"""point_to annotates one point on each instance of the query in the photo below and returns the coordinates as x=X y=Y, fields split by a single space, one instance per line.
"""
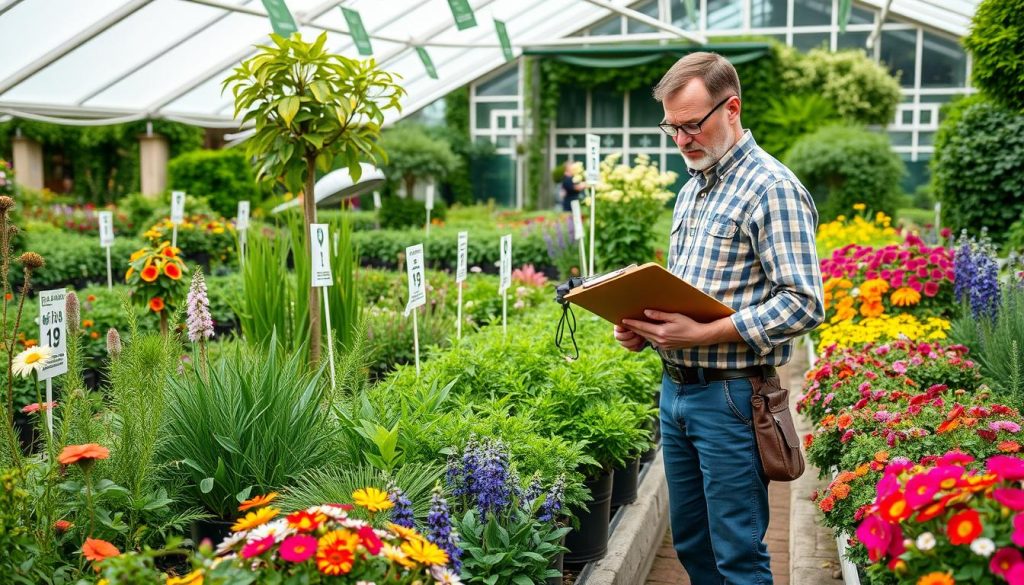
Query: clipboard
x=625 y=293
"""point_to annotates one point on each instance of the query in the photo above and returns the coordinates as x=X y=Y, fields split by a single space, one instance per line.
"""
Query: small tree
x=413 y=154
x=312 y=110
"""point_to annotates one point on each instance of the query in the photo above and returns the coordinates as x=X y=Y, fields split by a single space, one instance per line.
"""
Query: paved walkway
x=802 y=551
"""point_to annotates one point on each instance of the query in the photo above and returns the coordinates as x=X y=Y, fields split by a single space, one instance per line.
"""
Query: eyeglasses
x=690 y=129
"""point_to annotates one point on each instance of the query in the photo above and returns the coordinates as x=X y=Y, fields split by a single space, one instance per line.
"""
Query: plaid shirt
x=746 y=237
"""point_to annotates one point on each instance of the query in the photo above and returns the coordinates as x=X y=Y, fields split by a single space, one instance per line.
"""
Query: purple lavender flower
x=401 y=513
x=439 y=529
x=553 y=501
x=976 y=273
x=963 y=269
x=533 y=491
x=462 y=475
x=494 y=489
x=200 y=323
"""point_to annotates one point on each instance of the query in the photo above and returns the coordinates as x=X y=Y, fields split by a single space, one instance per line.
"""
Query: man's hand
x=629 y=339
x=677 y=331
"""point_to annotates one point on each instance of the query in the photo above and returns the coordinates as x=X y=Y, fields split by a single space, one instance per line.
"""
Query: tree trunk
x=410 y=186
x=309 y=216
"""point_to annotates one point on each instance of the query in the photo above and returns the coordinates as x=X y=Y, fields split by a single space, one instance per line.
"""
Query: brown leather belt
x=698 y=375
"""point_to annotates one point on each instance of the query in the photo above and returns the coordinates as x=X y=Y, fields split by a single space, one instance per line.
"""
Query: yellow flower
x=406 y=533
x=137 y=254
x=254 y=519
x=425 y=552
x=372 y=499
x=859 y=207
x=395 y=554
x=193 y=578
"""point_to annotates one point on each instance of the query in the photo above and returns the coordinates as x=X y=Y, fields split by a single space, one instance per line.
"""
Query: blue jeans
x=718 y=495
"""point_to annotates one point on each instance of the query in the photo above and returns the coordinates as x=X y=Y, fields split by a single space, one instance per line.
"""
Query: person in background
x=743 y=232
x=570 y=190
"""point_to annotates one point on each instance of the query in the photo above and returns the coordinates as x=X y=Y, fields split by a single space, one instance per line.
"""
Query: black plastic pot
x=624 y=483
x=655 y=426
x=589 y=542
x=213 y=529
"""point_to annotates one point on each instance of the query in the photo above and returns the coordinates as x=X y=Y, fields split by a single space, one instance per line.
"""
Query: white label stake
x=505 y=279
x=177 y=214
x=460 y=277
x=106 y=220
x=321 y=277
x=242 y=226
x=52 y=331
x=417 y=293
x=593 y=175
x=577 y=228
x=429 y=205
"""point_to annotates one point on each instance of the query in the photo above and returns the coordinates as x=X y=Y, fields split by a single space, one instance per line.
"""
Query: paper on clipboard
x=626 y=293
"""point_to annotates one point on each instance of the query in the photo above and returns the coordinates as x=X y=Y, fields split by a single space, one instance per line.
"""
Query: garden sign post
x=242 y=226
x=577 y=228
x=106 y=219
x=177 y=214
x=593 y=174
x=429 y=205
x=460 y=277
x=417 y=294
x=52 y=332
x=505 y=279
x=376 y=208
x=318 y=237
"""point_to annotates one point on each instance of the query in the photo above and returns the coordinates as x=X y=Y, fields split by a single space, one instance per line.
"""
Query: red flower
x=172 y=271
x=894 y=508
x=82 y=453
x=96 y=550
x=150 y=273
x=964 y=527
x=62 y=525
x=156 y=304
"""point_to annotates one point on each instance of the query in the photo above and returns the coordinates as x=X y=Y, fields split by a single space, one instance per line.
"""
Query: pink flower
x=875 y=534
x=921 y=490
x=946 y=477
x=257 y=547
x=200 y=323
x=1015 y=576
x=1004 y=560
x=298 y=548
x=955 y=458
x=1010 y=497
x=931 y=288
x=1006 y=467
x=35 y=406
x=900 y=367
x=1004 y=425
x=1018 y=530
x=888 y=484
x=916 y=284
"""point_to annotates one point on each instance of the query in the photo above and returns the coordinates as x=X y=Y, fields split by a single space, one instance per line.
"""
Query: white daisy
x=926 y=541
x=983 y=547
x=279 y=529
x=444 y=576
x=230 y=541
x=30 y=360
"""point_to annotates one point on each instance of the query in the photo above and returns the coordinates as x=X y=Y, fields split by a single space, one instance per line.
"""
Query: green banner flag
x=357 y=30
x=844 y=14
x=280 y=17
x=463 y=14
x=428 y=63
x=506 y=45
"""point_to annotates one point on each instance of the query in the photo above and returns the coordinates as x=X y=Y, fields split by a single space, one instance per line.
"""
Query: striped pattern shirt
x=743 y=232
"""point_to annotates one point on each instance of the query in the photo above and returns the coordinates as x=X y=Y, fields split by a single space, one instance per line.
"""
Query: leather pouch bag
x=777 y=441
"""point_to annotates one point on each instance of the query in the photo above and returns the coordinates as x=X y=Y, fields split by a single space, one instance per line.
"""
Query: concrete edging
x=641 y=528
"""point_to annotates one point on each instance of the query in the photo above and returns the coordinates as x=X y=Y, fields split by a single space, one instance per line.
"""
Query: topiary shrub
x=978 y=166
x=224 y=177
x=844 y=165
x=996 y=42
x=414 y=154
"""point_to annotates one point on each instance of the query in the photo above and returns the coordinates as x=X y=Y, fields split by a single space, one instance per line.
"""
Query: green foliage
x=978 y=167
x=456 y=131
x=208 y=240
x=381 y=248
x=843 y=165
x=996 y=42
x=860 y=90
x=514 y=550
x=253 y=426
x=21 y=561
x=75 y=259
x=414 y=155
x=224 y=177
x=998 y=345
x=104 y=160
x=402 y=212
x=791 y=116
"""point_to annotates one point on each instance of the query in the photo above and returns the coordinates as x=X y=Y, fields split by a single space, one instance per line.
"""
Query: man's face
x=689 y=105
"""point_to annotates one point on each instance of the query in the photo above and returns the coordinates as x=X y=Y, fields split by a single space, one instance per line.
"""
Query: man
x=743 y=232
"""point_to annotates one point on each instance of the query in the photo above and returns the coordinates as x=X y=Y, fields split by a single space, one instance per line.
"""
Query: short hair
x=716 y=71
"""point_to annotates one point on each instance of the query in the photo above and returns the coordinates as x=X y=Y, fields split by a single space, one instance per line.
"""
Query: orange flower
x=894 y=508
x=905 y=297
x=336 y=552
x=936 y=578
x=156 y=304
x=1009 y=446
x=136 y=255
x=170 y=252
x=91 y=298
x=861 y=470
x=964 y=527
x=87 y=323
x=96 y=550
x=845 y=420
x=172 y=271
x=841 y=491
x=86 y=453
x=882 y=456
x=947 y=426
x=303 y=521
x=872 y=309
x=94 y=335
x=827 y=503
x=254 y=519
x=150 y=273
x=62 y=525
x=257 y=501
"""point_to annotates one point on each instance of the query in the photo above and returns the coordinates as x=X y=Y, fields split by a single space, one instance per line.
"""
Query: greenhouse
x=551 y=292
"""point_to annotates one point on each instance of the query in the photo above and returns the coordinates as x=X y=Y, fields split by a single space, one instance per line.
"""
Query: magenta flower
x=1018 y=530
x=1004 y=425
x=931 y=288
x=900 y=367
x=887 y=485
x=955 y=458
x=875 y=534
x=298 y=548
x=921 y=490
x=257 y=547
x=1010 y=497
x=1006 y=467
x=1004 y=560
x=946 y=477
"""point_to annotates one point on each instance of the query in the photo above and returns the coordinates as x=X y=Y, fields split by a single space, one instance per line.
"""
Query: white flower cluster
x=621 y=183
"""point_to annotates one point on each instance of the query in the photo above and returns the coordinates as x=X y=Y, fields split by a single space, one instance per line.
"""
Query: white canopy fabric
x=122 y=60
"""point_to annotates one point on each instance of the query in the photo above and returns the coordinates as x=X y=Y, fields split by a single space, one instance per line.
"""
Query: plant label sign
x=177 y=207
x=320 y=252
x=430 y=196
x=593 y=158
x=376 y=200
x=52 y=332
x=577 y=220
x=417 y=280
x=242 y=221
x=460 y=269
x=106 y=220
x=506 y=264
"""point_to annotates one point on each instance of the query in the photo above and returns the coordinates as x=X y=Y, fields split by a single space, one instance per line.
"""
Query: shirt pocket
x=722 y=226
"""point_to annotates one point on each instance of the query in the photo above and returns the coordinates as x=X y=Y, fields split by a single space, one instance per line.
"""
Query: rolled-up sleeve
x=781 y=228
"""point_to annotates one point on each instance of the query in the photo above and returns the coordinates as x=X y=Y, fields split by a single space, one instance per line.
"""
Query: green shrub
x=791 y=116
x=978 y=166
x=224 y=177
x=861 y=90
x=402 y=212
x=842 y=165
x=996 y=43
x=381 y=248
x=77 y=259
x=414 y=155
